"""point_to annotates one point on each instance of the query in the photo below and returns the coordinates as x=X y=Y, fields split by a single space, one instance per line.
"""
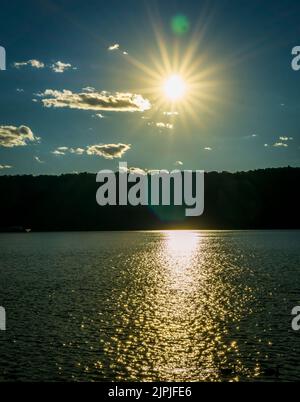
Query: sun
x=179 y=80
x=174 y=87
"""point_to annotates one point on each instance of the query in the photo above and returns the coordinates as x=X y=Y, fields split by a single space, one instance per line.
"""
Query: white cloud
x=133 y=170
x=280 y=144
x=60 y=67
x=64 y=150
x=208 y=149
x=170 y=113
x=160 y=124
x=116 y=47
x=108 y=151
x=60 y=151
x=57 y=152
x=57 y=67
x=77 y=151
x=38 y=159
x=11 y=136
x=251 y=136
x=99 y=115
x=88 y=89
x=5 y=167
x=33 y=63
x=113 y=47
x=112 y=102
x=168 y=126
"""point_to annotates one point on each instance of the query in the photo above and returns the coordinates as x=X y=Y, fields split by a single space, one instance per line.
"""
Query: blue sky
x=240 y=109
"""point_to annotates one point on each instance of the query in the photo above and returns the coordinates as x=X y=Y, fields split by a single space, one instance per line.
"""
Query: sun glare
x=180 y=81
x=174 y=87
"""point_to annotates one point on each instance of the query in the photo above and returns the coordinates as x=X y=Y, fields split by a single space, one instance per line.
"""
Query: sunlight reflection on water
x=175 y=317
x=167 y=306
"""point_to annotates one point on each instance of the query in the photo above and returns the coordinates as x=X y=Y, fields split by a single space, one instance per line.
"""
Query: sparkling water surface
x=150 y=306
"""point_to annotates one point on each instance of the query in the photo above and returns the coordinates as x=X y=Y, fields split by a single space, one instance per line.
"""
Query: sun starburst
x=180 y=81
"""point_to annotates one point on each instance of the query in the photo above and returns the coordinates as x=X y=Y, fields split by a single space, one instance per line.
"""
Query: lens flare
x=180 y=24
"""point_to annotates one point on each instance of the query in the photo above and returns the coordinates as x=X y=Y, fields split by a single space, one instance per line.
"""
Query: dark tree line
x=260 y=199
